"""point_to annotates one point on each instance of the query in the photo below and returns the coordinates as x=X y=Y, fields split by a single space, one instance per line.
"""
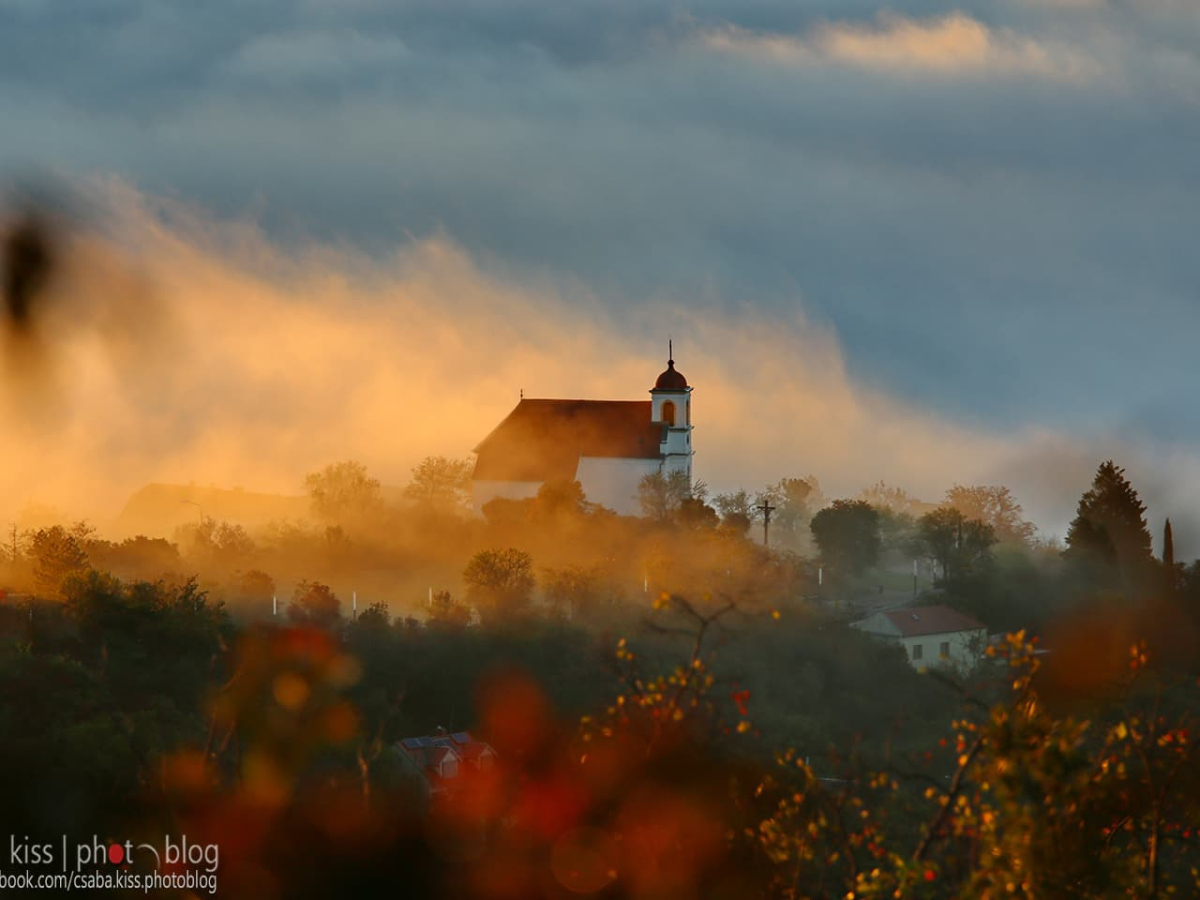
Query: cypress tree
x=1168 y=557
x=1109 y=539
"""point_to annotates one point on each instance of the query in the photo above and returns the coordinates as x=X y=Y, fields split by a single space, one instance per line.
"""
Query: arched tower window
x=668 y=413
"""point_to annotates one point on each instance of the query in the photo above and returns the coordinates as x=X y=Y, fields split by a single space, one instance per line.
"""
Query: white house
x=608 y=446
x=932 y=636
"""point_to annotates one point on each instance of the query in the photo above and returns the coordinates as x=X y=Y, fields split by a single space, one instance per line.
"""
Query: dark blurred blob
x=1092 y=654
x=67 y=283
x=30 y=256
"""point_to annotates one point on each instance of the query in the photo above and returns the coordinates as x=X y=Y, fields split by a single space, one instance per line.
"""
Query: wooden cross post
x=766 y=509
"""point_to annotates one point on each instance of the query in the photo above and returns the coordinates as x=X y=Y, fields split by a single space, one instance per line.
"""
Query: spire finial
x=670 y=351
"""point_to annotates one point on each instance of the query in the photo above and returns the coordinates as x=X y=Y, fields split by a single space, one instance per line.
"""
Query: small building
x=932 y=636
x=608 y=446
x=444 y=758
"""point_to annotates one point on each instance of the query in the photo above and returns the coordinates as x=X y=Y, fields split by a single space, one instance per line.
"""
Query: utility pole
x=766 y=509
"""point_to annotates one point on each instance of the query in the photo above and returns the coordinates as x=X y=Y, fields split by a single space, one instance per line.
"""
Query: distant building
x=932 y=636
x=608 y=446
x=445 y=758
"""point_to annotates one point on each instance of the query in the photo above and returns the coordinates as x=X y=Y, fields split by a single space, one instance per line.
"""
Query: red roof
x=918 y=620
x=542 y=440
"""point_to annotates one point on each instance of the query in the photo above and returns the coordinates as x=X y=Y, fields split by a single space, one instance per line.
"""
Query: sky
x=920 y=241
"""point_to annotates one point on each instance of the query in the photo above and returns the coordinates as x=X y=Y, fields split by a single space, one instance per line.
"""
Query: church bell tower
x=671 y=405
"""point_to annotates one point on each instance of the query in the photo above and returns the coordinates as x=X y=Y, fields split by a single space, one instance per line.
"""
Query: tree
x=958 y=544
x=343 y=493
x=506 y=514
x=314 y=604
x=796 y=496
x=499 y=583
x=223 y=544
x=1109 y=540
x=256 y=585
x=1170 y=569
x=139 y=556
x=695 y=513
x=896 y=500
x=734 y=503
x=15 y=542
x=56 y=554
x=661 y=495
x=736 y=510
x=847 y=533
x=572 y=591
x=442 y=484
x=899 y=532
x=375 y=617
x=795 y=500
x=443 y=611
x=559 y=498
x=1189 y=590
x=996 y=506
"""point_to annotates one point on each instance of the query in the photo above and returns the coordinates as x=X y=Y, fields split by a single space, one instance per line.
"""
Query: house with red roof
x=608 y=446
x=932 y=636
x=443 y=758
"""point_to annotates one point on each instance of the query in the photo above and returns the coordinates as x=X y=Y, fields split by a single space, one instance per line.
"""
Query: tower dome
x=671 y=380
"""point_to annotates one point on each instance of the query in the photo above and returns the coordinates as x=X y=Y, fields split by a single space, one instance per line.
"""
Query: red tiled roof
x=918 y=620
x=541 y=440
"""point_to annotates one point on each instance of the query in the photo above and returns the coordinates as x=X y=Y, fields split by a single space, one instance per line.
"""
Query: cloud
x=952 y=45
x=1066 y=4
x=271 y=363
x=253 y=363
x=316 y=55
x=997 y=250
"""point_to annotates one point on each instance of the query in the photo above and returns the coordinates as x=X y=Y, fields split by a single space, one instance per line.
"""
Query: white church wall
x=484 y=491
x=614 y=482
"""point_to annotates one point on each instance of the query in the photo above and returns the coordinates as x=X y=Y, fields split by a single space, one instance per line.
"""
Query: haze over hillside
x=253 y=364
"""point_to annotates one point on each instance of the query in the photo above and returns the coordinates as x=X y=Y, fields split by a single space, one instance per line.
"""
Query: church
x=608 y=446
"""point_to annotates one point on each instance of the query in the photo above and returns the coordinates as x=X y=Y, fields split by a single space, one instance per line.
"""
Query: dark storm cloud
x=993 y=203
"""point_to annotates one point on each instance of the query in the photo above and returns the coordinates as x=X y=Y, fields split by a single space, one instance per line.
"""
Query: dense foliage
x=676 y=710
